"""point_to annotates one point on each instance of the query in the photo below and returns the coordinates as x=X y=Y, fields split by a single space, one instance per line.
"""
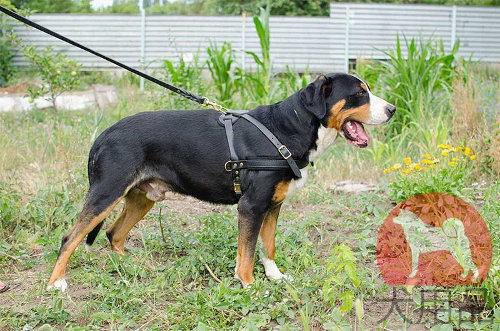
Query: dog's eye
x=361 y=93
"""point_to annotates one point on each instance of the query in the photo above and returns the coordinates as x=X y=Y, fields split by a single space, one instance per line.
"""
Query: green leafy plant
x=344 y=282
x=259 y=84
x=8 y=40
x=445 y=174
x=291 y=81
x=412 y=79
x=7 y=70
x=58 y=73
x=219 y=63
x=186 y=74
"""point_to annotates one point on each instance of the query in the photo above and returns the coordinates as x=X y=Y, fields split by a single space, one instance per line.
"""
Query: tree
x=59 y=6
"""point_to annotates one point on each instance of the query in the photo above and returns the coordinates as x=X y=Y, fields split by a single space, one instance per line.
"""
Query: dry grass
x=494 y=146
x=467 y=120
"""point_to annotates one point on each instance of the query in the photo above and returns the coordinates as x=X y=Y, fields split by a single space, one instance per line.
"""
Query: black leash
x=234 y=165
x=201 y=100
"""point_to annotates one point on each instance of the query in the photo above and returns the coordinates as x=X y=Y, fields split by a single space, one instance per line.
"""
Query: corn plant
x=259 y=85
x=219 y=63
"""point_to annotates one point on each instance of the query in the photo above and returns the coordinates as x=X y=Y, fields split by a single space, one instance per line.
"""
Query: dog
x=143 y=156
x=424 y=238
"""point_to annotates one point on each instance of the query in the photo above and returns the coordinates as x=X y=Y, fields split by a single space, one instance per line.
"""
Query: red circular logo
x=434 y=239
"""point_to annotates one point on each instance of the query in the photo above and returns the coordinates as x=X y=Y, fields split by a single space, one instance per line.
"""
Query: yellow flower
x=454 y=159
x=473 y=156
x=452 y=163
x=396 y=166
x=443 y=146
x=387 y=170
x=423 y=168
x=426 y=161
x=408 y=171
x=407 y=160
x=427 y=156
x=417 y=166
x=390 y=180
x=444 y=153
x=458 y=149
x=73 y=73
x=432 y=166
x=467 y=151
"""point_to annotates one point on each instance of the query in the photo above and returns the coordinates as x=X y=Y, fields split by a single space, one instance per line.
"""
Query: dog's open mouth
x=355 y=133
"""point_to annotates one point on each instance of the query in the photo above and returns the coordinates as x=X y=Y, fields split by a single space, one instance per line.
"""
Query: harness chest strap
x=234 y=165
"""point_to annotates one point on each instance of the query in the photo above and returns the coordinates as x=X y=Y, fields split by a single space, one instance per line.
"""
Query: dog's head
x=344 y=102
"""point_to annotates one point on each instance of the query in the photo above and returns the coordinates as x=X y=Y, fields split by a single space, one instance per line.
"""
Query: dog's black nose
x=391 y=109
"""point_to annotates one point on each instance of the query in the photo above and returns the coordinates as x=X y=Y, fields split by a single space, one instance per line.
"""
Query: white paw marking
x=59 y=284
x=271 y=269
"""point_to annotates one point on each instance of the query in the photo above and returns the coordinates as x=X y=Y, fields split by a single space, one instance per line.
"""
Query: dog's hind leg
x=97 y=207
x=268 y=234
x=136 y=206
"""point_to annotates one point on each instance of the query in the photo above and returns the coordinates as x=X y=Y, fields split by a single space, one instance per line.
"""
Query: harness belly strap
x=234 y=165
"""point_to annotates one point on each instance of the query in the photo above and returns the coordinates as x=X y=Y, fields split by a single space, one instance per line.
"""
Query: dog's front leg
x=250 y=216
x=268 y=235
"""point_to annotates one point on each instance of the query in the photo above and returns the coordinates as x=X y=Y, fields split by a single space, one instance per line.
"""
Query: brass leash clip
x=214 y=105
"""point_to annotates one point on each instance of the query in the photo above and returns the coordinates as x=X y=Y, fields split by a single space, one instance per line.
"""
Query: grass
x=163 y=282
x=326 y=241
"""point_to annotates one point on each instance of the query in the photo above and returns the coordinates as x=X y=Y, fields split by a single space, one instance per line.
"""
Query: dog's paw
x=59 y=284
x=272 y=271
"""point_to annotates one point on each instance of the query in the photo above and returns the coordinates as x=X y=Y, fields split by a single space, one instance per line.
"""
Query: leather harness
x=234 y=165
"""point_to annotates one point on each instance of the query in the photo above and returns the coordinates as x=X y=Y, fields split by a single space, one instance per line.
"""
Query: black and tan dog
x=145 y=155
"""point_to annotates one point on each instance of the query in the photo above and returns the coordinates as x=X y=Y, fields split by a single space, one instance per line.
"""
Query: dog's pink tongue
x=357 y=131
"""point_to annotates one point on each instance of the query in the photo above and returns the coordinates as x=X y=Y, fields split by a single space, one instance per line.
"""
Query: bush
x=7 y=70
x=58 y=72
x=7 y=42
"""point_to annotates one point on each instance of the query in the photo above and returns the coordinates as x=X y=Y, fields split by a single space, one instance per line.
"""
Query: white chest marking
x=326 y=137
x=296 y=184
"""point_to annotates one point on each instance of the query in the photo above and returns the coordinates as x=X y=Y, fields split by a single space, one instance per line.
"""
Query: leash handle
x=201 y=100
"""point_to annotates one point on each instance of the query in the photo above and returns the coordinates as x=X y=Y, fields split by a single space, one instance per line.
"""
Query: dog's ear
x=313 y=96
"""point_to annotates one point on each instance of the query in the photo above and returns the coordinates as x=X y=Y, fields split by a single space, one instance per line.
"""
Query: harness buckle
x=237 y=188
x=227 y=166
x=284 y=152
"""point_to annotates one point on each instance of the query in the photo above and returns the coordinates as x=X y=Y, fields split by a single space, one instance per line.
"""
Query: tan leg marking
x=280 y=192
x=82 y=227
x=268 y=231
x=136 y=206
x=245 y=259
